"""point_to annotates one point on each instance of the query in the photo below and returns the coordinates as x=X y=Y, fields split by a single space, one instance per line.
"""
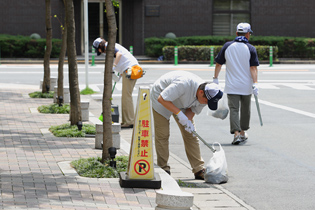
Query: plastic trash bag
x=222 y=111
x=216 y=169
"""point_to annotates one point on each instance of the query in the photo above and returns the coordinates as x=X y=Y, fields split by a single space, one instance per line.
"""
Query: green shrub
x=54 y=109
x=154 y=45
x=39 y=94
x=87 y=91
x=202 y=53
x=67 y=130
x=288 y=47
x=93 y=168
x=26 y=47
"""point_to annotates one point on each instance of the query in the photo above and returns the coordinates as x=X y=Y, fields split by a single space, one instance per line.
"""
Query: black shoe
x=200 y=174
x=167 y=171
x=126 y=126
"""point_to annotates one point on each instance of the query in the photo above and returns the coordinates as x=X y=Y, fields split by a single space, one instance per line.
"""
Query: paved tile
x=30 y=175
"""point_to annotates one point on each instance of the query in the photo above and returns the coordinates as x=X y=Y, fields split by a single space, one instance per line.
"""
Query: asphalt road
x=275 y=169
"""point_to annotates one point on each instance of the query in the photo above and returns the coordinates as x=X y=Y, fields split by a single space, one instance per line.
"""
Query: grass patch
x=87 y=91
x=184 y=184
x=39 y=94
x=54 y=109
x=67 y=130
x=93 y=168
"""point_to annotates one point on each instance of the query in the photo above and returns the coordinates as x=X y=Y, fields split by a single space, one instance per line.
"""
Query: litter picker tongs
x=201 y=139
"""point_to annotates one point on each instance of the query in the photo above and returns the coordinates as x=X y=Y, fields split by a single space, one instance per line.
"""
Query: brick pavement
x=30 y=177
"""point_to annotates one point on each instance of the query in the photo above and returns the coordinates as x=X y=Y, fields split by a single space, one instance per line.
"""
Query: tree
x=62 y=59
x=75 y=105
x=46 y=80
x=107 y=93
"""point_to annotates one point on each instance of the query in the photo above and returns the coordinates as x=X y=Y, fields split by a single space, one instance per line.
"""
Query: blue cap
x=213 y=94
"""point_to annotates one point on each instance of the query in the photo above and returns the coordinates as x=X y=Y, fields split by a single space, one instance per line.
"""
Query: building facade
x=139 y=19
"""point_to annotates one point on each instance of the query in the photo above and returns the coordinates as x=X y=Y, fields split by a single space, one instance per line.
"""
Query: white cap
x=243 y=28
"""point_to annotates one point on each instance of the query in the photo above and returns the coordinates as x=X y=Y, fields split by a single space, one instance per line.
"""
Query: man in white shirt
x=241 y=62
x=124 y=60
x=181 y=94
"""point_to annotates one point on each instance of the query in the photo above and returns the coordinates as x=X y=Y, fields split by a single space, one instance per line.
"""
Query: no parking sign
x=140 y=165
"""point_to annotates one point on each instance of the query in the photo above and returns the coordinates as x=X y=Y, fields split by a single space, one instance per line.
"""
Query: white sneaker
x=244 y=138
x=236 y=140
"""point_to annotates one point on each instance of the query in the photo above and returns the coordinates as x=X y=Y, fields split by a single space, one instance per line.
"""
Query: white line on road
x=308 y=114
x=286 y=73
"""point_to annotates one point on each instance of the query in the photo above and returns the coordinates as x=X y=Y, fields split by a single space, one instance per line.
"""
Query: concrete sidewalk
x=35 y=172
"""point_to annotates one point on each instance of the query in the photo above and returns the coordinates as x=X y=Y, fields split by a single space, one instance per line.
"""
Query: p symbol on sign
x=142 y=166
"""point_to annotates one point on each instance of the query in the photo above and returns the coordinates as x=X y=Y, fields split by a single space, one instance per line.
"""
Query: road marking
x=283 y=70
x=297 y=86
x=286 y=72
x=308 y=114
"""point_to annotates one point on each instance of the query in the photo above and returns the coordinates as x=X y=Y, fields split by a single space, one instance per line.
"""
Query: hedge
x=288 y=47
x=25 y=47
x=202 y=53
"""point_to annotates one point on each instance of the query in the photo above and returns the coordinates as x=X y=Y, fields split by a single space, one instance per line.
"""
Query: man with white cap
x=241 y=62
x=181 y=94
x=124 y=61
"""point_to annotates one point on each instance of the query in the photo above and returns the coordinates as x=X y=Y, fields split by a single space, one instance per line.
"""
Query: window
x=227 y=14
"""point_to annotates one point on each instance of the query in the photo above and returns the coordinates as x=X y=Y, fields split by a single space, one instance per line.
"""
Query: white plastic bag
x=216 y=169
x=223 y=109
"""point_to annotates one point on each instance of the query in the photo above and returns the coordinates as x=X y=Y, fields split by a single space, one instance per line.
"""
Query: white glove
x=189 y=127
x=255 y=89
x=115 y=78
x=183 y=119
x=216 y=80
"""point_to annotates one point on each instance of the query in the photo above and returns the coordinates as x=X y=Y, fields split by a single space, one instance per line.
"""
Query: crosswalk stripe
x=298 y=86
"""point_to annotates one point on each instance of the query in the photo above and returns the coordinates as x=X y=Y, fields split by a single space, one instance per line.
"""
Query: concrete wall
x=28 y=16
x=283 y=18
x=182 y=17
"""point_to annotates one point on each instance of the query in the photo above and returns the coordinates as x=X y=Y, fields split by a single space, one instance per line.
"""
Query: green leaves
x=54 y=109
x=39 y=94
x=67 y=130
x=93 y=168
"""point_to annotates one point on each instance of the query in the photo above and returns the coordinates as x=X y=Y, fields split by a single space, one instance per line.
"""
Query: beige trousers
x=127 y=108
x=162 y=133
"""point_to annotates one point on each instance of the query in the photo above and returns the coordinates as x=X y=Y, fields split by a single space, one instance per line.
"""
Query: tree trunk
x=107 y=93
x=75 y=105
x=62 y=60
x=46 y=81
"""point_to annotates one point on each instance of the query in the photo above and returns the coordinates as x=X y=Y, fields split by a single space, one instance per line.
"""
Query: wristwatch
x=214 y=77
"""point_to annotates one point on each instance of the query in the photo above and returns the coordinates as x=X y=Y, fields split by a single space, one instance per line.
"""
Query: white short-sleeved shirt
x=180 y=88
x=239 y=56
x=127 y=59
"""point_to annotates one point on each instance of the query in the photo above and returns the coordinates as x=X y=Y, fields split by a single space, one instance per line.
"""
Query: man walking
x=241 y=62
x=124 y=61
x=181 y=94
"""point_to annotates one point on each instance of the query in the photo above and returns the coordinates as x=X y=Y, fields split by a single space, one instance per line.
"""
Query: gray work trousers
x=239 y=106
